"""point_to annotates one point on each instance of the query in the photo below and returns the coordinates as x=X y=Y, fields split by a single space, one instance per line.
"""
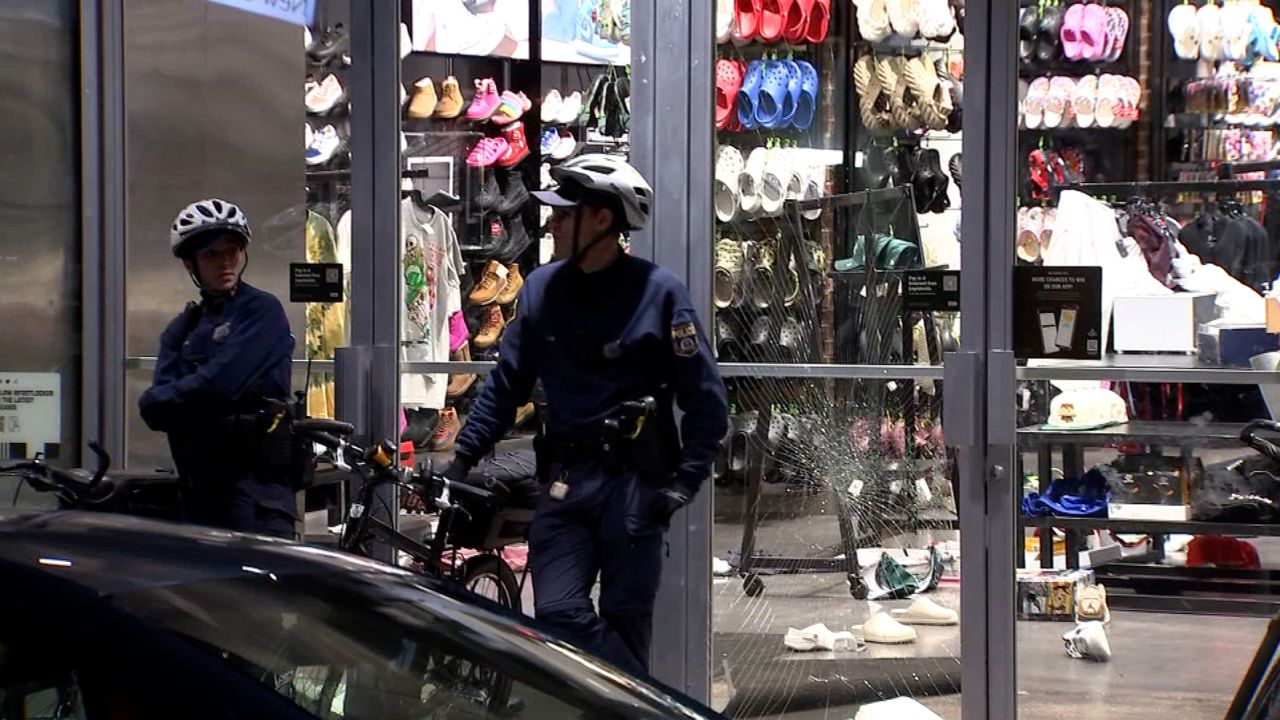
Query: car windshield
x=355 y=645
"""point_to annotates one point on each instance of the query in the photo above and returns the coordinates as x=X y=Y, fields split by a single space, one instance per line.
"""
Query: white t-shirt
x=431 y=289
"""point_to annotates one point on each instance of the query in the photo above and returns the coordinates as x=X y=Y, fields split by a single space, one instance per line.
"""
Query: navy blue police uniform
x=217 y=361
x=598 y=340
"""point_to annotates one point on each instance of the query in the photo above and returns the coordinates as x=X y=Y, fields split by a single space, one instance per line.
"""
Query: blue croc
x=793 y=94
x=749 y=95
x=773 y=95
x=807 y=106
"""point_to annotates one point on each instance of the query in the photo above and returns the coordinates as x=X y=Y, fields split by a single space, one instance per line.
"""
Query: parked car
x=107 y=616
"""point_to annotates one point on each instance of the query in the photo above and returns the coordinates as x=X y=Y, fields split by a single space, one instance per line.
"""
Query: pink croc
x=486 y=100
x=1071 y=45
x=487 y=152
x=1094 y=43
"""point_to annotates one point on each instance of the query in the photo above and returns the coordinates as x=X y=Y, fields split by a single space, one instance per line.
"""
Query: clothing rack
x=1165 y=187
x=852 y=199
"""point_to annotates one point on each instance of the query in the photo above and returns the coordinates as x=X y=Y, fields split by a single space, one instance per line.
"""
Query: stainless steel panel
x=213 y=104
x=40 y=196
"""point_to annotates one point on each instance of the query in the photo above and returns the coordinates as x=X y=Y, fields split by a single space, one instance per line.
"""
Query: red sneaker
x=517 y=146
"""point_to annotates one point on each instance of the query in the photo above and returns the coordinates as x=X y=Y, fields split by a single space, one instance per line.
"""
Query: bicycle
x=155 y=494
x=482 y=515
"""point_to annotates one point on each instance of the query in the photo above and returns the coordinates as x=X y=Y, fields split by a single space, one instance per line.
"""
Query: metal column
x=673 y=40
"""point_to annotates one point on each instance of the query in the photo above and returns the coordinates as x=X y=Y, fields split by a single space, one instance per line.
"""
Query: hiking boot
x=459 y=384
x=492 y=282
x=424 y=100
x=446 y=432
x=514 y=282
x=451 y=103
x=494 y=323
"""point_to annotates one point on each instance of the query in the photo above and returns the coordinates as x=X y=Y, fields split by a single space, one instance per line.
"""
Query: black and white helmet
x=612 y=176
x=196 y=221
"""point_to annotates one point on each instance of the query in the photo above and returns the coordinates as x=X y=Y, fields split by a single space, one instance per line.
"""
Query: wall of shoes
x=482 y=125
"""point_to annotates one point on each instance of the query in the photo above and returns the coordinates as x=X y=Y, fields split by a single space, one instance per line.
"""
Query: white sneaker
x=1088 y=641
x=324 y=143
x=570 y=108
x=819 y=637
x=565 y=147
x=458 y=32
x=325 y=96
x=551 y=105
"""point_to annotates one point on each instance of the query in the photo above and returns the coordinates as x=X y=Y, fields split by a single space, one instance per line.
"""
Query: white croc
x=813 y=190
x=1236 y=31
x=904 y=17
x=926 y=612
x=751 y=179
x=873 y=19
x=1184 y=31
x=729 y=165
x=881 y=628
x=725 y=21
x=773 y=186
x=1209 y=28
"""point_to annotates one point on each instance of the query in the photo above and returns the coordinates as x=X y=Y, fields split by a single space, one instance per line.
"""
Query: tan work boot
x=492 y=282
x=494 y=323
x=514 y=282
x=446 y=432
x=451 y=103
x=424 y=100
x=459 y=384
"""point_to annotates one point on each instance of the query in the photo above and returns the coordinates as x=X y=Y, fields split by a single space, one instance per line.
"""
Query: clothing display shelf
x=1143 y=582
x=852 y=533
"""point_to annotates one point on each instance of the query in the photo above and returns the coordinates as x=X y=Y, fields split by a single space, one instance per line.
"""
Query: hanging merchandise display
x=586 y=31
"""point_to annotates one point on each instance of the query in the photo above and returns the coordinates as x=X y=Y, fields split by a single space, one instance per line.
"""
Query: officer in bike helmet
x=219 y=361
x=603 y=331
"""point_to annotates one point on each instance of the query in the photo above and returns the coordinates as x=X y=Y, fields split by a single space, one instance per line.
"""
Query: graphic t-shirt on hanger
x=431 y=287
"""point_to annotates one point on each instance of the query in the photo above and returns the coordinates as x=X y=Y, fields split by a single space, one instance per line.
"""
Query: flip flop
x=1085 y=100
x=747 y=13
x=793 y=93
x=796 y=23
x=749 y=94
x=807 y=106
x=728 y=83
x=1120 y=35
x=1033 y=108
x=819 y=22
x=773 y=95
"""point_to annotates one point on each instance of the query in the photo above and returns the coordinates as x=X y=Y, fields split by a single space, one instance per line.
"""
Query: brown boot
x=514 y=283
x=459 y=384
x=489 y=333
x=492 y=282
x=451 y=104
x=447 y=427
x=424 y=100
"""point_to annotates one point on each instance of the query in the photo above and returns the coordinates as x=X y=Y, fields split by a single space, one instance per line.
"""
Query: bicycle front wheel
x=489 y=576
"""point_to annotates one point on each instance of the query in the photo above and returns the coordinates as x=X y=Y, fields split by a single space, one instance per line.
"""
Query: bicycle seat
x=511 y=476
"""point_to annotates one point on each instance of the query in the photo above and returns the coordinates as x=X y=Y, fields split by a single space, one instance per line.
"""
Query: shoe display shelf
x=1145 y=582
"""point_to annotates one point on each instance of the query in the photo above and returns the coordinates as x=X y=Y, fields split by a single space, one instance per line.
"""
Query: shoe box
x=1050 y=594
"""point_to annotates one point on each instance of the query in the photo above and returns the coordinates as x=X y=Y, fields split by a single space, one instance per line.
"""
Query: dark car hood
x=109 y=554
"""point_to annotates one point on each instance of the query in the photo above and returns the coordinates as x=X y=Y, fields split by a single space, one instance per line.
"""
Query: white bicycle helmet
x=199 y=218
x=601 y=175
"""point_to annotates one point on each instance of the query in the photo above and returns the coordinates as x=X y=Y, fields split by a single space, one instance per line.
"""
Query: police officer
x=218 y=362
x=602 y=329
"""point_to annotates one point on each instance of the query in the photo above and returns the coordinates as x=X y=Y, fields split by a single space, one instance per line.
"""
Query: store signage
x=931 y=290
x=315 y=282
x=30 y=414
x=1057 y=312
x=298 y=12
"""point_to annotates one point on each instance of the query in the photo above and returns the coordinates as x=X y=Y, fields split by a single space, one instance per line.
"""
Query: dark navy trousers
x=606 y=526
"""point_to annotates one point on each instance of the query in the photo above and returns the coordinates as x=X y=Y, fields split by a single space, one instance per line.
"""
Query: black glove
x=669 y=500
x=457 y=469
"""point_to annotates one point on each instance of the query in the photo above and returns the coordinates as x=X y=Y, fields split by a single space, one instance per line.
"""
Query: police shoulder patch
x=684 y=339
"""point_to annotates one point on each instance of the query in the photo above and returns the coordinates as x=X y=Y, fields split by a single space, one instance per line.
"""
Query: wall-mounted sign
x=931 y=290
x=30 y=414
x=298 y=12
x=594 y=32
x=315 y=282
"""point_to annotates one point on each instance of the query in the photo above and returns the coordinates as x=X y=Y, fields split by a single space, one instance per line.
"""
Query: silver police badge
x=684 y=339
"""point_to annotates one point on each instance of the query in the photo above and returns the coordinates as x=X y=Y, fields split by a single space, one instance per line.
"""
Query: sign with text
x=931 y=290
x=1057 y=312
x=315 y=282
x=30 y=414
x=298 y=12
